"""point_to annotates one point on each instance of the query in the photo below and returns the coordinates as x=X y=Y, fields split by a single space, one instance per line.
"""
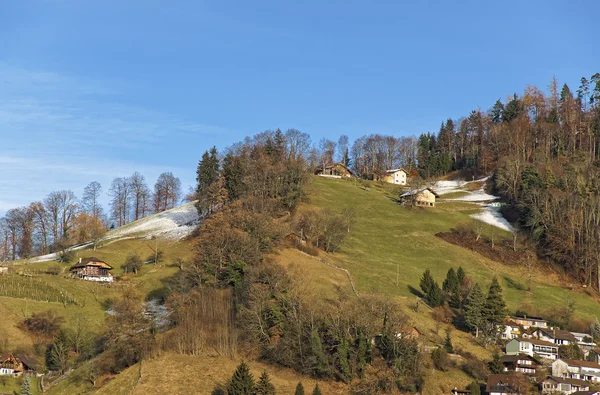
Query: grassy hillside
x=387 y=237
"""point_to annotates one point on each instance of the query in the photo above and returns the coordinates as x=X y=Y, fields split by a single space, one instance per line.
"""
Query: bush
x=473 y=366
x=440 y=359
x=308 y=248
x=46 y=323
x=133 y=263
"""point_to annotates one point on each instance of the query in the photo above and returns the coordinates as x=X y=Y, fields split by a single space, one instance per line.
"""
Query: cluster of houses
x=423 y=197
x=533 y=347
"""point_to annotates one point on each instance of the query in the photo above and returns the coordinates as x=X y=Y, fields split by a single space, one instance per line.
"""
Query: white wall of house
x=4 y=371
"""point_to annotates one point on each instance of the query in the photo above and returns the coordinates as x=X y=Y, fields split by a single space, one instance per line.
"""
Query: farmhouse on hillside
x=334 y=170
x=420 y=197
x=505 y=384
x=17 y=364
x=92 y=269
x=396 y=176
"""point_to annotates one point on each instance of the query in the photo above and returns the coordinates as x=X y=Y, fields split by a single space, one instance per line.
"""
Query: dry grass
x=185 y=374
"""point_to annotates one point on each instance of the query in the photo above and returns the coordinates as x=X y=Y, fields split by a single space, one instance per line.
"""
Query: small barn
x=17 y=364
x=396 y=176
x=92 y=269
x=420 y=197
x=334 y=170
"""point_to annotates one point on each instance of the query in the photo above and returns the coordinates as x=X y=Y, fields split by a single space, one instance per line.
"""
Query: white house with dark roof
x=573 y=369
x=532 y=347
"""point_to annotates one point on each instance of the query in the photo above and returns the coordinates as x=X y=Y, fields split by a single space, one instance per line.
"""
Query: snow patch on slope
x=491 y=215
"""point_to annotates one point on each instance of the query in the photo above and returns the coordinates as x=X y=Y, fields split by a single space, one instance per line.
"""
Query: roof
x=91 y=261
x=561 y=334
x=526 y=317
x=515 y=358
x=577 y=382
x=583 y=364
x=29 y=361
x=417 y=191
x=502 y=381
x=536 y=342
x=396 y=170
x=589 y=392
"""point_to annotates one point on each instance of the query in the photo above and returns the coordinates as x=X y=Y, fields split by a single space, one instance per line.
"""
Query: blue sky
x=91 y=90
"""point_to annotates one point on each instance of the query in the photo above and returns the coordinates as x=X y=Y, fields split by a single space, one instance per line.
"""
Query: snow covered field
x=489 y=214
x=173 y=224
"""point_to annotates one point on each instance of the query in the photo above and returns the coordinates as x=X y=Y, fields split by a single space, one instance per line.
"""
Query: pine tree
x=299 y=389
x=473 y=309
x=427 y=282
x=448 y=343
x=451 y=287
x=460 y=274
x=233 y=172
x=497 y=111
x=342 y=361
x=595 y=330
x=242 y=381
x=494 y=309
x=496 y=366
x=317 y=390
x=264 y=386
x=317 y=360
x=206 y=174
x=474 y=388
x=435 y=297
x=26 y=386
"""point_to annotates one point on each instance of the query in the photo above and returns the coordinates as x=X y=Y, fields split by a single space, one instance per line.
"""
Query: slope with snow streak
x=489 y=214
x=173 y=224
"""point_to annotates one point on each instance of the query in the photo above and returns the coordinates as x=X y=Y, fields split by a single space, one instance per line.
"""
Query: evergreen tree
x=264 y=385
x=460 y=274
x=497 y=111
x=342 y=361
x=242 y=381
x=451 y=287
x=233 y=172
x=299 y=389
x=317 y=360
x=435 y=297
x=427 y=282
x=26 y=386
x=513 y=109
x=474 y=388
x=595 y=330
x=317 y=390
x=206 y=174
x=494 y=309
x=473 y=309
x=496 y=366
x=448 y=343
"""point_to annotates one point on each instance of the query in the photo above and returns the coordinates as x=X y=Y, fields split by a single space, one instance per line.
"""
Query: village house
x=593 y=355
x=585 y=341
x=557 y=336
x=511 y=329
x=522 y=363
x=532 y=347
x=573 y=369
x=396 y=176
x=92 y=269
x=420 y=197
x=456 y=391
x=334 y=170
x=588 y=392
x=528 y=322
x=505 y=384
x=552 y=385
x=17 y=364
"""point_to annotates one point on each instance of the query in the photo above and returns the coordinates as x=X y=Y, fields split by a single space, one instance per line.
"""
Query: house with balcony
x=553 y=385
x=573 y=369
x=522 y=363
x=532 y=347
x=529 y=322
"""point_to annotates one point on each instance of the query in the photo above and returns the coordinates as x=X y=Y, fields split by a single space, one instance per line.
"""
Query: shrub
x=46 y=323
x=440 y=359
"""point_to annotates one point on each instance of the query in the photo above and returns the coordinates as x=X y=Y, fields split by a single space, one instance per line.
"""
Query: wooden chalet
x=334 y=170
x=17 y=364
x=420 y=197
x=92 y=269
x=522 y=363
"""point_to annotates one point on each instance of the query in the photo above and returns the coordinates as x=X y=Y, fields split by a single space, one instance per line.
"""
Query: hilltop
x=385 y=253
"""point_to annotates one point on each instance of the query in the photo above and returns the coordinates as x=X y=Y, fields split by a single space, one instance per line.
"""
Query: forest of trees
x=61 y=219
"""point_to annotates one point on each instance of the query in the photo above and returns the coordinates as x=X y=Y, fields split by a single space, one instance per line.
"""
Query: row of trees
x=482 y=313
x=61 y=219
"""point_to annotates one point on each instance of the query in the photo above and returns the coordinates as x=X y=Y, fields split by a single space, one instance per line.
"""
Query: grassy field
x=388 y=239
x=12 y=385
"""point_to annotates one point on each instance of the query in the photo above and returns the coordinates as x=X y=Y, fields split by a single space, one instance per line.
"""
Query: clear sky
x=91 y=90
